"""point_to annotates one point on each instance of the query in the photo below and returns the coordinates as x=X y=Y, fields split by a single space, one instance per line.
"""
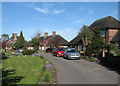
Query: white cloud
x=45 y=8
x=42 y=10
x=58 y=11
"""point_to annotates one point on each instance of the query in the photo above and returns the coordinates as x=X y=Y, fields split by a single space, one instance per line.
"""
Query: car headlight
x=59 y=53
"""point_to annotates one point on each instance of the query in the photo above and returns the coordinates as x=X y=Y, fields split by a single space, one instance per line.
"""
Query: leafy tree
x=97 y=43
x=16 y=45
x=35 y=43
x=86 y=36
x=26 y=44
x=5 y=37
x=20 y=42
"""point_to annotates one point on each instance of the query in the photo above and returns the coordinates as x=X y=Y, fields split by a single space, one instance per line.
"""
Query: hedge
x=28 y=52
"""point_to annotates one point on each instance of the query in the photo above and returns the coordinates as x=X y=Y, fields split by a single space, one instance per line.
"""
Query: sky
x=66 y=18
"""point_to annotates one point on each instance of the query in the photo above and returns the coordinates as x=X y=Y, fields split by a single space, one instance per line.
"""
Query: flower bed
x=91 y=58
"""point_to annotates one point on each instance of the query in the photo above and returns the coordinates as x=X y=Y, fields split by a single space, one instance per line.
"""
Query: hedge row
x=28 y=52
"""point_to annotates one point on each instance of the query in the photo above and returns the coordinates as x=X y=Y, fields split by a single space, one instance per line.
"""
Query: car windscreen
x=71 y=50
x=60 y=49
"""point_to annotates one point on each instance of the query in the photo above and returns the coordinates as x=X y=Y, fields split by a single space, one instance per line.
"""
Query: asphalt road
x=81 y=71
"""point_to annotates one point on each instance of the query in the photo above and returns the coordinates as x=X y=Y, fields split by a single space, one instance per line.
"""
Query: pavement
x=81 y=71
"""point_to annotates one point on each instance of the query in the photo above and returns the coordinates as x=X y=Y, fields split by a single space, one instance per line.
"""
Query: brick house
x=76 y=43
x=108 y=26
x=52 y=41
x=12 y=40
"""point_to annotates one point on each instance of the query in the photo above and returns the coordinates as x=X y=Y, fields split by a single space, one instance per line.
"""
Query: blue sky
x=66 y=18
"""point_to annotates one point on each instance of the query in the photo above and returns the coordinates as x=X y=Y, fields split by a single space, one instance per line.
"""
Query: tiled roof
x=57 y=39
x=76 y=40
x=107 y=22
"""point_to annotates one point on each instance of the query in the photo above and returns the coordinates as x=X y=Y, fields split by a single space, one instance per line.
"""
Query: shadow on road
x=111 y=64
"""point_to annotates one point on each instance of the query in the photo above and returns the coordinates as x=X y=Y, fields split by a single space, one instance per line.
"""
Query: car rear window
x=71 y=50
x=60 y=49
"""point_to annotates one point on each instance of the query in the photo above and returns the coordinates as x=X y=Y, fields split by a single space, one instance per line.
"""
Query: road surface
x=81 y=71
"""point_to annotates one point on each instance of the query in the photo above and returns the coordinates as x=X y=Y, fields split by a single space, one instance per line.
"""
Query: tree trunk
x=83 y=45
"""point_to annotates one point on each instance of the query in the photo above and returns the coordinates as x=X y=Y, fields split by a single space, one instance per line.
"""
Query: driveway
x=81 y=71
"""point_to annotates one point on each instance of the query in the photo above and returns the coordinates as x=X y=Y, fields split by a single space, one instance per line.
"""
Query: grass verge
x=22 y=70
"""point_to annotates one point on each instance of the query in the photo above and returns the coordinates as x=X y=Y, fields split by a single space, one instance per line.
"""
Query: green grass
x=24 y=69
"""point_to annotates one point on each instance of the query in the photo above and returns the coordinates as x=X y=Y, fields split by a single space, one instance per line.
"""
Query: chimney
x=12 y=34
x=38 y=35
x=15 y=36
x=54 y=33
x=46 y=34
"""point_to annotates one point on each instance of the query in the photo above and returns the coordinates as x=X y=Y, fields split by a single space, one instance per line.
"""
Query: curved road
x=81 y=71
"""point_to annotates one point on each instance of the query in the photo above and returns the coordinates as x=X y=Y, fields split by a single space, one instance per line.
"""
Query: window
x=71 y=50
x=55 y=49
x=103 y=33
x=60 y=49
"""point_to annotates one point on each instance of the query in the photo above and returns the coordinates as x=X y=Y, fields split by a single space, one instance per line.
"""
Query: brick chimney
x=12 y=34
x=46 y=34
x=54 y=33
x=38 y=35
x=15 y=36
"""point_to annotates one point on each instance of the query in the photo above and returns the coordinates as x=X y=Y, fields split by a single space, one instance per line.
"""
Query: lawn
x=22 y=69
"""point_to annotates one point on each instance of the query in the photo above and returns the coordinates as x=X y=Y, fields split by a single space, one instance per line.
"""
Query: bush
x=41 y=57
x=92 y=59
x=28 y=52
x=112 y=47
x=85 y=57
x=4 y=56
x=46 y=77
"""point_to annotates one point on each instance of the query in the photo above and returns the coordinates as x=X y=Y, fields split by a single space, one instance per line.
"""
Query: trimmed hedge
x=28 y=52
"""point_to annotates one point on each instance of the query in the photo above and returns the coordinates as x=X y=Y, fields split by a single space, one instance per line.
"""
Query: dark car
x=49 y=50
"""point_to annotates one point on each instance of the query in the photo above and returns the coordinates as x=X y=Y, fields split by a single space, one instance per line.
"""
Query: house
x=51 y=41
x=76 y=43
x=30 y=45
x=12 y=40
x=108 y=26
x=116 y=39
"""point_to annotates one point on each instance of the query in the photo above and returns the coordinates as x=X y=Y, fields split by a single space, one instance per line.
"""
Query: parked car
x=71 y=53
x=49 y=50
x=19 y=52
x=58 y=52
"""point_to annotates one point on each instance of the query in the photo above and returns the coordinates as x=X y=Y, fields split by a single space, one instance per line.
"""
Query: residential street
x=81 y=71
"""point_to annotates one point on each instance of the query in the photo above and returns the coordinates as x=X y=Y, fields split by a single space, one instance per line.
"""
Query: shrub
x=112 y=47
x=92 y=59
x=4 y=56
x=28 y=52
x=12 y=50
x=46 y=77
x=41 y=57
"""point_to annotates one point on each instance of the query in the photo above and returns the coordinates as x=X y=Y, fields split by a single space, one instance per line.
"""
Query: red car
x=58 y=52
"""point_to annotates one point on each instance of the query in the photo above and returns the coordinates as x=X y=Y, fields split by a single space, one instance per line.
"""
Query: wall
x=110 y=34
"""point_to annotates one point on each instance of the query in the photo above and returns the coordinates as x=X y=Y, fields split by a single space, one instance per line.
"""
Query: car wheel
x=67 y=58
x=57 y=55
